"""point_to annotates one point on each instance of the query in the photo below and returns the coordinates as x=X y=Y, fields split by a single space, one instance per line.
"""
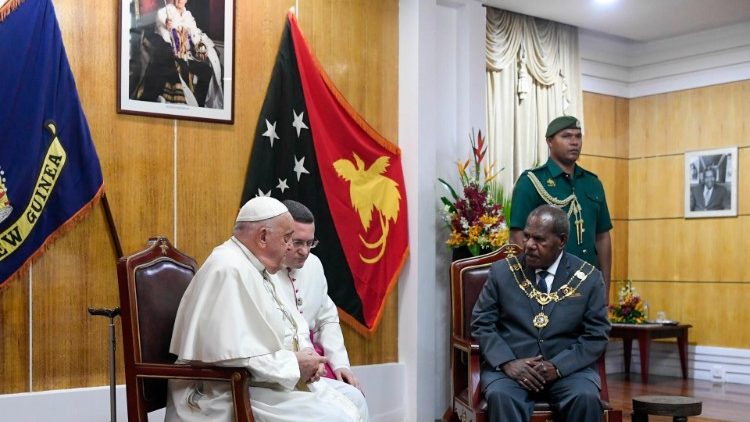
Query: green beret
x=563 y=122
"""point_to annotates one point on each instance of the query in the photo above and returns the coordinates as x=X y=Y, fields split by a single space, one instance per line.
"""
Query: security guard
x=577 y=191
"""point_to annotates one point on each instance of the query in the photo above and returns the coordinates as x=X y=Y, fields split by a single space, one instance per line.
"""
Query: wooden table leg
x=644 y=344
x=682 y=342
x=627 y=347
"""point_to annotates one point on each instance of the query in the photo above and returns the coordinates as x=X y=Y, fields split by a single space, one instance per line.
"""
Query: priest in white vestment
x=303 y=283
x=232 y=315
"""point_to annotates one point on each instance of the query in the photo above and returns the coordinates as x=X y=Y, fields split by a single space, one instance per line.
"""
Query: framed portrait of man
x=176 y=59
x=711 y=183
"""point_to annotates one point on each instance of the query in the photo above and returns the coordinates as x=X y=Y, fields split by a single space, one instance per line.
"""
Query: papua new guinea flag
x=311 y=146
x=49 y=170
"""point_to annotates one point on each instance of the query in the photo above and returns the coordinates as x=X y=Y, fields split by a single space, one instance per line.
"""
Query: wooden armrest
x=465 y=344
x=207 y=372
x=237 y=376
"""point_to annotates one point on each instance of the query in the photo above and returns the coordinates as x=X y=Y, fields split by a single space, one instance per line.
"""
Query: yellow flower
x=499 y=238
x=487 y=220
x=475 y=231
x=456 y=239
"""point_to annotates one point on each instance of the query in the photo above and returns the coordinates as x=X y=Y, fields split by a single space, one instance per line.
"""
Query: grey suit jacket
x=574 y=338
x=720 y=199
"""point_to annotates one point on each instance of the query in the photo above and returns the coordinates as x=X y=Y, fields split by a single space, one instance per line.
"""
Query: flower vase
x=461 y=252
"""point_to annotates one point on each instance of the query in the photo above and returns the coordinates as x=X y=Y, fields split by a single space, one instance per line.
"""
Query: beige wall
x=69 y=348
x=694 y=269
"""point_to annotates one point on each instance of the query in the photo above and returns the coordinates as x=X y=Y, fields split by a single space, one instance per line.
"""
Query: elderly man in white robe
x=303 y=284
x=232 y=315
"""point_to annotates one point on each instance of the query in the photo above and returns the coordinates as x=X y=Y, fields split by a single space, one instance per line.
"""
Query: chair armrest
x=465 y=344
x=185 y=371
x=237 y=376
x=471 y=348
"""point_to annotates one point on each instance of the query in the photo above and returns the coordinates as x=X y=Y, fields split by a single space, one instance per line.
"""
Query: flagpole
x=111 y=226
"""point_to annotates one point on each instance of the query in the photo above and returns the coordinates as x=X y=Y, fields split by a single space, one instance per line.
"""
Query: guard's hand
x=168 y=24
x=522 y=370
x=547 y=370
x=309 y=364
x=346 y=375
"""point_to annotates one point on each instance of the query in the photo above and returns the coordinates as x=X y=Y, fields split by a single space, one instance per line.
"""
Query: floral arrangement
x=475 y=216
x=630 y=309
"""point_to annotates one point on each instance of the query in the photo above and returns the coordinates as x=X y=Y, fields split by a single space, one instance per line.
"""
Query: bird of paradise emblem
x=369 y=189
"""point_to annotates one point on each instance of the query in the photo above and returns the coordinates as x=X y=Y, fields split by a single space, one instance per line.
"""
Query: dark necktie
x=541 y=282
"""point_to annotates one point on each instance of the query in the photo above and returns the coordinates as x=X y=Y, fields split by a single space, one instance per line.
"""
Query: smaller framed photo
x=711 y=183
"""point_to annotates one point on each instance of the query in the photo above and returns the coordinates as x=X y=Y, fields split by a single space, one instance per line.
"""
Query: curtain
x=533 y=76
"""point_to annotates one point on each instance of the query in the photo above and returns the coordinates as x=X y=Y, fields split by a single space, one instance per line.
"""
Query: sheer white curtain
x=533 y=76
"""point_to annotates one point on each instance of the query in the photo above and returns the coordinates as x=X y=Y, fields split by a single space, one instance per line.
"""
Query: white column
x=441 y=98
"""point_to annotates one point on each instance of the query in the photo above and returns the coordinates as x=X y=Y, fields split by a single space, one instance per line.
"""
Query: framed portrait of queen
x=711 y=183
x=176 y=59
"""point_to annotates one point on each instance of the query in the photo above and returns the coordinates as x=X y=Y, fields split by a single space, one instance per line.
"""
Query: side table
x=644 y=333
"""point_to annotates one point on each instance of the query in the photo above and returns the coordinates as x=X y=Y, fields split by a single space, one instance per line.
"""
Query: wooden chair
x=151 y=284
x=467 y=280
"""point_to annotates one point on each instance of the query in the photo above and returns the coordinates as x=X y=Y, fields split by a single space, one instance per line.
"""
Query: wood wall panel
x=710 y=117
x=14 y=334
x=656 y=186
x=622 y=127
x=703 y=259
x=620 y=247
x=711 y=308
x=138 y=161
x=600 y=119
x=69 y=347
x=716 y=249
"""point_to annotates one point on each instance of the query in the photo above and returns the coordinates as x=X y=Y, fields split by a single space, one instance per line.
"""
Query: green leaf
x=448 y=203
x=475 y=249
x=450 y=189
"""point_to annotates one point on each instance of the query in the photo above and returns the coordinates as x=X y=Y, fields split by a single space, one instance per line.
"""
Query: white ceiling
x=637 y=20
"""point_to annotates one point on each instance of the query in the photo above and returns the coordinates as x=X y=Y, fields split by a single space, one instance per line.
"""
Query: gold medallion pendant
x=540 y=320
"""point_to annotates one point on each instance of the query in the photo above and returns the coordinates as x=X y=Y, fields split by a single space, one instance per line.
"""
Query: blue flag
x=49 y=170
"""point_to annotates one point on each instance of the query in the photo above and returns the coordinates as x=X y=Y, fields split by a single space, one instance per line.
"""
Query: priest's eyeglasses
x=310 y=244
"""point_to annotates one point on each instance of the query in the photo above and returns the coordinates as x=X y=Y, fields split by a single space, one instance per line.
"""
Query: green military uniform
x=581 y=196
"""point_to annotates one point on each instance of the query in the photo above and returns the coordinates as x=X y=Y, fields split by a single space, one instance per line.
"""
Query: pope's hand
x=309 y=364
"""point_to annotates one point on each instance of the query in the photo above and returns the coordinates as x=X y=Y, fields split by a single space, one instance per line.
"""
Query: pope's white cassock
x=231 y=315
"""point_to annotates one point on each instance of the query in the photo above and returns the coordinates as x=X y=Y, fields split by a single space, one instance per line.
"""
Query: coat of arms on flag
x=311 y=146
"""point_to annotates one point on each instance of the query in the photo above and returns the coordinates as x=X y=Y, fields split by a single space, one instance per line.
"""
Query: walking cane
x=111 y=314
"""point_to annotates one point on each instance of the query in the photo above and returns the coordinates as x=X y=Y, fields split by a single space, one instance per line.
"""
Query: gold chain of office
x=541 y=319
x=571 y=201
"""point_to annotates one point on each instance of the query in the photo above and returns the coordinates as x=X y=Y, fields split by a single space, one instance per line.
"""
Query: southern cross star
x=299 y=167
x=270 y=132
x=298 y=123
x=282 y=185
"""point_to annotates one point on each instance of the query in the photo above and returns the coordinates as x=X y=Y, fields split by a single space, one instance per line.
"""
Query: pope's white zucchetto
x=261 y=208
